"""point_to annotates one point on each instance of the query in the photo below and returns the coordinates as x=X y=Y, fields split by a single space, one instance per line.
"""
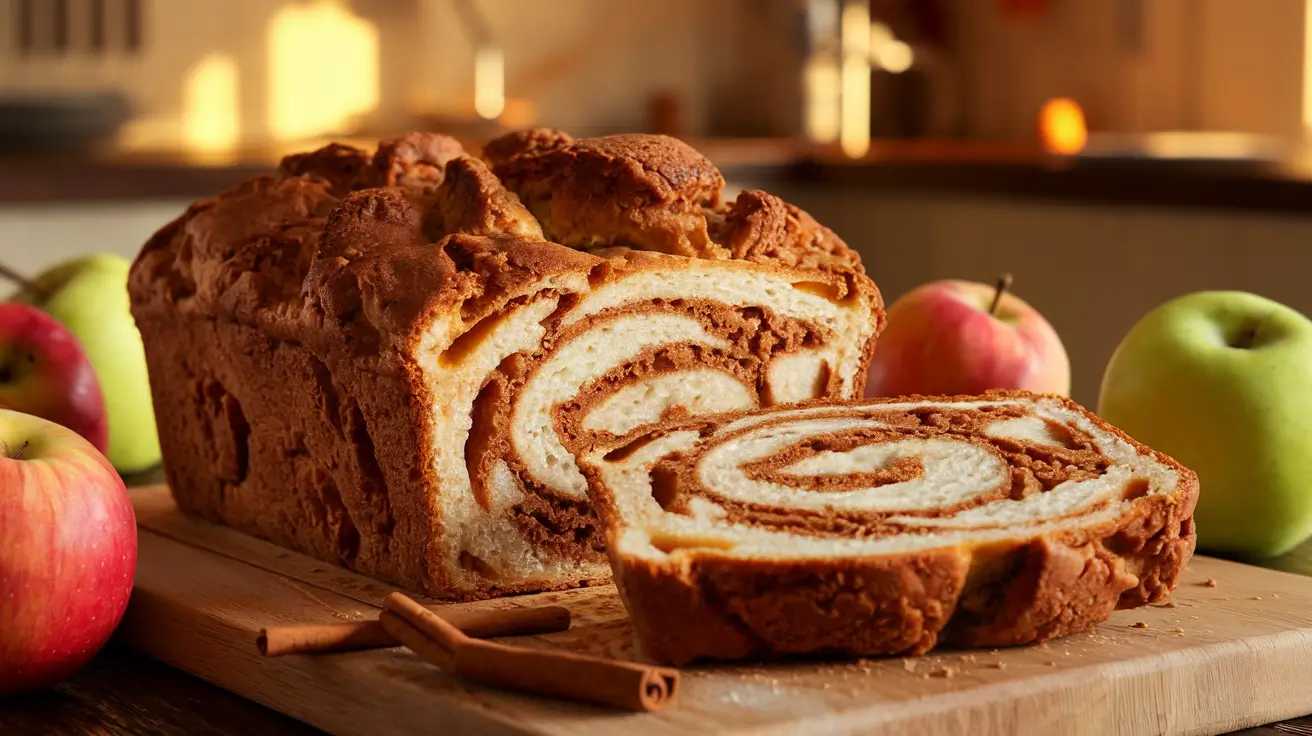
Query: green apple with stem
x=1222 y=382
x=89 y=296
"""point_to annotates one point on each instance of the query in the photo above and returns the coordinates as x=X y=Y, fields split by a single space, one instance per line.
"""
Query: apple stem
x=16 y=455
x=21 y=281
x=1004 y=283
x=1246 y=338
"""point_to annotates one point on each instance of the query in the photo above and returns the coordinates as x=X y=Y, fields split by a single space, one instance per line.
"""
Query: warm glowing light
x=1061 y=126
x=323 y=69
x=895 y=57
x=824 y=94
x=854 y=131
x=888 y=53
x=880 y=34
x=489 y=82
x=211 y=107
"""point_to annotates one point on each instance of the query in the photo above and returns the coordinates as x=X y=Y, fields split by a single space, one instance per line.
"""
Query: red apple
x=68 y=551
x=960 y=337
x=44 y=372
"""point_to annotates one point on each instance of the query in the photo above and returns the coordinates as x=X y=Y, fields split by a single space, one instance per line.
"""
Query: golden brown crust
x=727 y=610
x=306 y=294
x=707 y=605
x=644 y=191
x=499 y=151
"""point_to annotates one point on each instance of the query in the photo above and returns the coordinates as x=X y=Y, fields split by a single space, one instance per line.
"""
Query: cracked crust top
x=376 y=243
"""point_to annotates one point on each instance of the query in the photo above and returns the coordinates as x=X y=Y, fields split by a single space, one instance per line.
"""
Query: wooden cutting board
x=1217 y=658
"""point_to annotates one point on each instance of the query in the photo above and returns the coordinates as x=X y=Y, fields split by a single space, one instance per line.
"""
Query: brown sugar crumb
x=1138 y=625
x=944 y=672
x=908 y=665
x=1210 y=582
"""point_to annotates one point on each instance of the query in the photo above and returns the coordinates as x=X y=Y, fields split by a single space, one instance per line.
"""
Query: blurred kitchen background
x=1108 y=153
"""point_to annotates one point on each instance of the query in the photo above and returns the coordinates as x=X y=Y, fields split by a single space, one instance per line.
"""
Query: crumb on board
x=968 y=658
x=944 y=672
x=1210 y=582
x=1256 y=598
x=1138 y=625
x=908 y=665
x=997 y=665
x=1166 y=604
x=1052 y=664
x=1177 y=630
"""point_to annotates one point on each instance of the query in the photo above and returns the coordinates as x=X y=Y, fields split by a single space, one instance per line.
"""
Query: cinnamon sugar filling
x=735 y=353
x=840 y=473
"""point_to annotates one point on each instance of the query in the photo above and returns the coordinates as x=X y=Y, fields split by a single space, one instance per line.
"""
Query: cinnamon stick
x=615 y=683
x=278 y=641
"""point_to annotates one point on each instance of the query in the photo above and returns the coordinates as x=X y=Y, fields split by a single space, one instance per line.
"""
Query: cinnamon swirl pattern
x=887 y=527
x=390 y=361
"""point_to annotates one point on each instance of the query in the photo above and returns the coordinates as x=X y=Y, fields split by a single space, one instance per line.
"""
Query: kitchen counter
x=121 y=692
x=946 y=167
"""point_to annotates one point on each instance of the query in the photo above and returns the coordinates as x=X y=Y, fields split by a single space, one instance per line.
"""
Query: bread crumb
x=997 y=665
x=1275 y=595
x=968 y=658
x=1256 y=598
x=1052 y=664
x=908 y=665
x=1177 y=630
x=944 y=672
x=1167 y=604
x=1210 y=582
x=1138 y=625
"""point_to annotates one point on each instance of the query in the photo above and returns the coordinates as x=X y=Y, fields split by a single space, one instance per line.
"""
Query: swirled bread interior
x=886 y=527
x=391 y=360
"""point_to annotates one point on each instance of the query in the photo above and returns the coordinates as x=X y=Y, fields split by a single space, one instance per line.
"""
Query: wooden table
x=121 y=692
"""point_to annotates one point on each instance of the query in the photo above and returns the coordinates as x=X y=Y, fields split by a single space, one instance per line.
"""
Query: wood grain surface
x=1215 y=660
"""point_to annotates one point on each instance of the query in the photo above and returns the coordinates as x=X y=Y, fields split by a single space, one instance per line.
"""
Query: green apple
x=1222 y=382
x=89 y=296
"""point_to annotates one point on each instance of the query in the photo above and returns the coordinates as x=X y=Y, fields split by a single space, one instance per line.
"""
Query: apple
x=44 y=372
x=89 y=296
x=68 y=551
x=1222 y=382
x=954 y=337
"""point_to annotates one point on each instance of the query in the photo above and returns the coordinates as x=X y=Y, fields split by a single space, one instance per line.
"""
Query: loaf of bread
x=390 y=360
x=886 y=527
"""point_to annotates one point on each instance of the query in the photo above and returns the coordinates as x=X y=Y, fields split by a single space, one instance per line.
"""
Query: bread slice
x=383 y=359
x=887 y=526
